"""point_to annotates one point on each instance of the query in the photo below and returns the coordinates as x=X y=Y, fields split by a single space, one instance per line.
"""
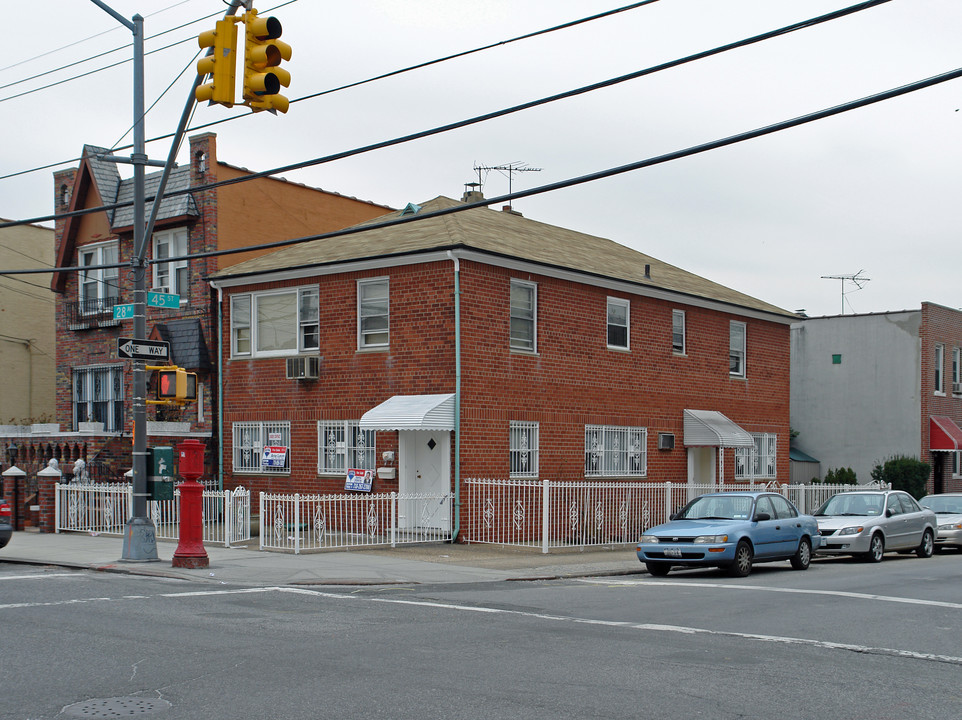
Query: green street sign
x=123 y=312
x=163 y=300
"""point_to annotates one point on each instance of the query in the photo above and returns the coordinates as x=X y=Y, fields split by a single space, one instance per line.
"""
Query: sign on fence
x=359 y=480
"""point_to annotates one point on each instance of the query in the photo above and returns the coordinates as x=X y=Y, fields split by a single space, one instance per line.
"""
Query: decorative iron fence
x=546 y=514
x=296 y=523
x=104 y=508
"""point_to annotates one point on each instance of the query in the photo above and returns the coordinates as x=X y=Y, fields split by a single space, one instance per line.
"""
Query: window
x=956 y=368
x=99 y=286
x=939 y=367
x=618 y=323
x=373 y=314
x=763 y=456
x=524 y=313
x=678 y=332
x=171 y=276
x=957 y=464
x=98 y=396
x=736 y=349
x=523 y=449
x=342 y=444
x=249 y=441
x=616 y=451
x=783 y=508
x=275 y=323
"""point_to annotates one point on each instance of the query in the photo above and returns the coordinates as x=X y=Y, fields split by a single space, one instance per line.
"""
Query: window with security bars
x=342 y=444
x=523 y=449
x=764 y=456
x=98 y=394
x=612 y=451
x=249 y=440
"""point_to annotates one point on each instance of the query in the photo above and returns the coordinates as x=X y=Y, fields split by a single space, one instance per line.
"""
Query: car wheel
x=742 y=566
x=658 y=569
x=803 y=556
x=926 y=547
x=876 y=549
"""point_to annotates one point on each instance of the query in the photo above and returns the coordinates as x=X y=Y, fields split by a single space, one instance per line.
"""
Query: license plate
x=673 y=552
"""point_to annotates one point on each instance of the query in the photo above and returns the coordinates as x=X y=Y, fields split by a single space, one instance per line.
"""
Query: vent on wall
x=666 y=441
x=303 y=368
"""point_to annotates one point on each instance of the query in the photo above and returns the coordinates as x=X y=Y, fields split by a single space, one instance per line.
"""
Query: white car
x=870 y=523
x=948 y=509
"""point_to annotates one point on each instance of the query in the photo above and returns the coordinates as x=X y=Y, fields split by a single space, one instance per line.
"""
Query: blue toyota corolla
x=731 y=530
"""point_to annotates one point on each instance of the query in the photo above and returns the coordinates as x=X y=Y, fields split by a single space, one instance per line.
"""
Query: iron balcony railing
x=83 y=314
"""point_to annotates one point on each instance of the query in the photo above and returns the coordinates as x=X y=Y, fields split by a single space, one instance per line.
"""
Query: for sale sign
x=274 y=456
x=359 y=480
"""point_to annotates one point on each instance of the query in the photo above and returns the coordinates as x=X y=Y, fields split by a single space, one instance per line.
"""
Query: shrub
x=840 y=476
x=904 y=473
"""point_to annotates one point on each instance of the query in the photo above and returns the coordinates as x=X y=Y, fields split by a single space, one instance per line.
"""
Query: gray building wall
x=865 y=408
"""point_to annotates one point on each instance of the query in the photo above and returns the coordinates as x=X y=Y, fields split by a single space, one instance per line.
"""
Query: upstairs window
x=524 y=313
x=678 y=332
x=171 y=277
x=99 y=286
x=98 y=396
x=618 y=323
x=736 y=349
x=275 y=323
x=956 y=370
x=373 y=314
x=939 y=368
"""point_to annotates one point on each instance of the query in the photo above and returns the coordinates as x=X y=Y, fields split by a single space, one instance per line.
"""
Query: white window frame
x=939 y=368
x=248 y=439
x=372 y=335
x=957 y=464
x=98 y=385
x=678 y=320
x=104 y=282
x=616 y=303
x=166 y=275
x=956 y=366
x=616 y=451
x=246 y=329
x=737 y=353
x=342 y=445
x=764 y=457
x=523 y=440
x=526 y=315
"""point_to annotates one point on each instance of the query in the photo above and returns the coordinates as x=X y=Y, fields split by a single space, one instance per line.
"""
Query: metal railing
x=545 y=514
x=104 y=508
x=295 y=523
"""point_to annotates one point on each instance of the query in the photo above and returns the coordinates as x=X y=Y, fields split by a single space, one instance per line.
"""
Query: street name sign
x=163 y=300
x=123 y=312
x=143 y=349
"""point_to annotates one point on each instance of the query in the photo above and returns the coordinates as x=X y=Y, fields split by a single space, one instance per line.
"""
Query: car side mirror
x=888 y=512
x=762 y=517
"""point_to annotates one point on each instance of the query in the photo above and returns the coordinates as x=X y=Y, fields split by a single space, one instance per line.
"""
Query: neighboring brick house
x=484 y=344
x=867 y=387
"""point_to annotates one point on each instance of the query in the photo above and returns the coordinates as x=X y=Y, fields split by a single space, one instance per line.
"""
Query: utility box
x=160 y=473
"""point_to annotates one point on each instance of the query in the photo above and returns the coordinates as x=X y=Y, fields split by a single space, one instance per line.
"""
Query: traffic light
x=176 y=385
x=263 y=53
x=220 y=65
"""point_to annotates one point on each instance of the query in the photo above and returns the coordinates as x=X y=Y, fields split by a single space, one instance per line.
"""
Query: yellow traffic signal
x=220 y=65
x=263 y=78
x=176 y=384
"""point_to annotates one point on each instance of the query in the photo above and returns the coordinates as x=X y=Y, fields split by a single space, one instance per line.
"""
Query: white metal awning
x=411 y=412
x=710 y=427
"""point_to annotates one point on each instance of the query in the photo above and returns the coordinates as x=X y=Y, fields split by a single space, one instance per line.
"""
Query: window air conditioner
x=303 y=368
x=957 y=388
x=666 y=441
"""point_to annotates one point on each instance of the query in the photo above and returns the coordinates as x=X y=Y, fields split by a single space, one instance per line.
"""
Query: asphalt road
x=842 y=640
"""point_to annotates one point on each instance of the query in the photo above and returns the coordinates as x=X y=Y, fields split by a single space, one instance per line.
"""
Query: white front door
x=701 y=470
x=425 y=469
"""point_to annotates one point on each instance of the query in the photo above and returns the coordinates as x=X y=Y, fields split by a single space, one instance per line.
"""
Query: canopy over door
x=411 y=412
x=710 y=427
x=944 y=434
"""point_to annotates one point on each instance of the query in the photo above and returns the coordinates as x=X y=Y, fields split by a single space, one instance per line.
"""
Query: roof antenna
x=856 y=279
x=509 y=169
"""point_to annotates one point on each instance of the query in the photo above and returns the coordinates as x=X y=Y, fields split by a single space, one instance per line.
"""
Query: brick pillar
x=46 y=479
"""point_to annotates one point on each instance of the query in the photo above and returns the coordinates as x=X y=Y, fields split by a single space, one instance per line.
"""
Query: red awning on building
x=944 y=434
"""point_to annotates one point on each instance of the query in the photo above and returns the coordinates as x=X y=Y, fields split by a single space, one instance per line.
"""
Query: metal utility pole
x=856 y=278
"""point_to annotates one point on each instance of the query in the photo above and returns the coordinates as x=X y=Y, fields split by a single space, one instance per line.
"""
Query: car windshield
x=718 y=507
x=946 y=505
x=854 y=504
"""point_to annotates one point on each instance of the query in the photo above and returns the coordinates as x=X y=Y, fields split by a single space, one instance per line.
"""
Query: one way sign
x=143 y=349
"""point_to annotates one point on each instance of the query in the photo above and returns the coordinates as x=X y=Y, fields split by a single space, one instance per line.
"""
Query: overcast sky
x=875 y=190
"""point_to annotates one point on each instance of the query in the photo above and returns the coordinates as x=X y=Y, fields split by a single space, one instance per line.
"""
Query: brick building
x=478 y=343
x=867 y=387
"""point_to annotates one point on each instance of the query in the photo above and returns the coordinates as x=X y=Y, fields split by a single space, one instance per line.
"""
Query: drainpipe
x=457 y=396
x=220 y=386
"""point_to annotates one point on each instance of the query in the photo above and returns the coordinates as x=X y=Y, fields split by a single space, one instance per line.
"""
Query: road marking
x=37 y=576
x=798 y=591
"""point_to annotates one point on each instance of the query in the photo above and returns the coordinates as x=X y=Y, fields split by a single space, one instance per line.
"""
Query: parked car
x=870 y=523
x=948 y=509
x=731 y=530
x=6 y=526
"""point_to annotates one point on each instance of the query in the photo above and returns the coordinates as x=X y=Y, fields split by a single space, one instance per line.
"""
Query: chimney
x=472 y=193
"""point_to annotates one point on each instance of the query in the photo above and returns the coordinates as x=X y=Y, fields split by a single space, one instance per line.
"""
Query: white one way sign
x=143 y=349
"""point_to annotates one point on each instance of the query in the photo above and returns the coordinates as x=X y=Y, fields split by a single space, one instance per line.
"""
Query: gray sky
x=877 y=189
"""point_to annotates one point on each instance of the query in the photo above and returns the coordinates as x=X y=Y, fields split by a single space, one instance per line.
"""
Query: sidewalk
x=413 y=564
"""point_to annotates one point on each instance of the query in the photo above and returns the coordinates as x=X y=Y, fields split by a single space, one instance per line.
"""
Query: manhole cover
x=116 y=707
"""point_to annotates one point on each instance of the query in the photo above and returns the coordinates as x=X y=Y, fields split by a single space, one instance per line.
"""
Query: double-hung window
x=612 y=451
x=373 y=314
x=736 y=349
x=523 y=449
x=342 y=444
x=763 y=457
x=98 y=396
x=99 y=286
x=618 y=315
x=275 y=323
x=939 y=368
x=678 y=332
x=524 y=315
x=249 y=441
x=956 y=370
x=171 y=277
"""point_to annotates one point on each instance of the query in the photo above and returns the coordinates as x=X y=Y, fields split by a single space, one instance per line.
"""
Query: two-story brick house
x=484 y=344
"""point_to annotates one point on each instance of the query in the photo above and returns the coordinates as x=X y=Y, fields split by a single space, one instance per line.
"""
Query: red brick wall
x=939 y=325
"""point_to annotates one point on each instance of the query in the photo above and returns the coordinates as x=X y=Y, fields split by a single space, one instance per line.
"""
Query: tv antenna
x=856 y=279
x=508 y=168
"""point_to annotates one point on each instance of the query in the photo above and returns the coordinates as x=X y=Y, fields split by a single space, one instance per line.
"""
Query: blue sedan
x=731 y=530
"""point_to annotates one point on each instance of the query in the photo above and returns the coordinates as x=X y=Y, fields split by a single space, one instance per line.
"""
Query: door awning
x=944 y=434
x=710 y=427
x=411 y=412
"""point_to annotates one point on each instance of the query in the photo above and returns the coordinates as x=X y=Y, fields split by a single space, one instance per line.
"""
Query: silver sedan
x=948 y=508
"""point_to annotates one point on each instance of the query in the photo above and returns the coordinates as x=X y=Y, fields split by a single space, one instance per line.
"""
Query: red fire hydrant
x=190 y=551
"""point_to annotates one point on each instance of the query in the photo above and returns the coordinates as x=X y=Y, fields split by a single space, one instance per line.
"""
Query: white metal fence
x=545 y=514
x=104 y=508
x=318 y=522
